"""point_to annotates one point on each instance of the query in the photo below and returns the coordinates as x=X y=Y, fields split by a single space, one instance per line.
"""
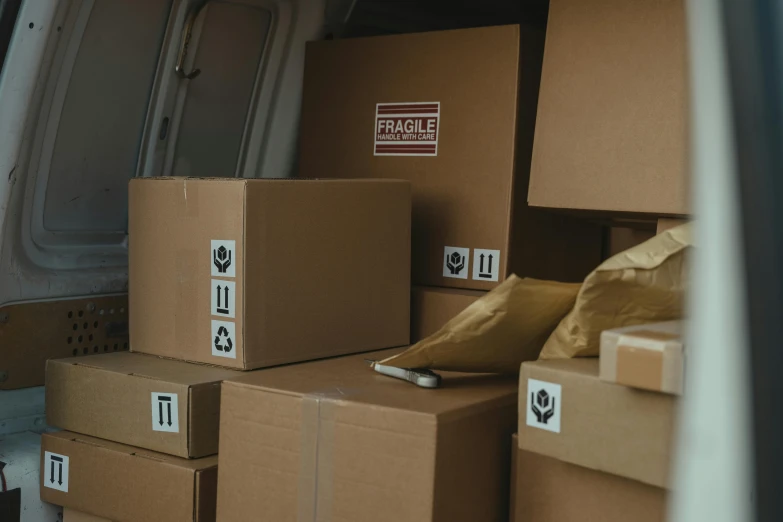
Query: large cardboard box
x=71 y=515
x=545 y=489
x=611 y=133
x=646 y=356
x=254 y=273
x=137 y=399
x=334 y=440
x=431 y=308
x=454 y=113
x=124 y=483
x=568 y=413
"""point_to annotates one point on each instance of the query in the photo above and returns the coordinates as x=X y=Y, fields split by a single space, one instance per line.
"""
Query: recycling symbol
x=223 y=341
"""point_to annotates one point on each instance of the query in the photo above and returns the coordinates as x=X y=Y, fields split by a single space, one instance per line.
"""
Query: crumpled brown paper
x=496 y=333
x=644 y=284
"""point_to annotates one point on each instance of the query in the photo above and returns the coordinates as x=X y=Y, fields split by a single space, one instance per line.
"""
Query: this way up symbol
x=488 y=273
x=60 y=470
x=161 y=400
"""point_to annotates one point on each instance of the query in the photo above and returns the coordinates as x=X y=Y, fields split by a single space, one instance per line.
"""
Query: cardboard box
x=70 y=515
x=431 y=308
x=254 y=273
x=647 y=356
x=334 y=440
x=124 y=483
x=158 y=404
x=611 y=133
x=453 y=112
x=568 y=413
x=545 y=489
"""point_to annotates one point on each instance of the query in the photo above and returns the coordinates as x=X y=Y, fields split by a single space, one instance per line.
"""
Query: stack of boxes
x=233 y=275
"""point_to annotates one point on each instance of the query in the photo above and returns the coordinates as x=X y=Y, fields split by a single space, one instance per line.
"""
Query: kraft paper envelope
x=498 y=332
x=644 y=284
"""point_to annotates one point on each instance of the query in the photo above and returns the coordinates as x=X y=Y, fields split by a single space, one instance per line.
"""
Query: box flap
x=566 y=412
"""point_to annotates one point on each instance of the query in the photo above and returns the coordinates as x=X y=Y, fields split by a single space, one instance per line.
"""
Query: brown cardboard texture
x=453 y=112
x=334 y=440
x=568 y=413
x=611 y=132
x=647 y=356
x=137 y=399
x=431 y=308
x=254 y=273
x=71 y=515
x=124 y=483
x=548 y=490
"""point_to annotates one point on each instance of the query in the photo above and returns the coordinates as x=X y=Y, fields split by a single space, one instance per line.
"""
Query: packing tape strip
x=316 y=464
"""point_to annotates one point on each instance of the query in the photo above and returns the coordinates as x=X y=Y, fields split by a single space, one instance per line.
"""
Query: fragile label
x=455 y=262
x=407 y=129
x=165 y=412
x=223 y=258
x=224 y=339
x=486 y=264
x=55 y=474
x=543 y=405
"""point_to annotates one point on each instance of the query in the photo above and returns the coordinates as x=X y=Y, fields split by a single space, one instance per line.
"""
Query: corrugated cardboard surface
x=71 y=515
x=603 y=426
x=128 y=484
x=322 y=267
x=432 y=307
x=648 y=356
x=548 y=490
x=611 y=128
x=110 y=396
x=472 y=194
x=334 y=440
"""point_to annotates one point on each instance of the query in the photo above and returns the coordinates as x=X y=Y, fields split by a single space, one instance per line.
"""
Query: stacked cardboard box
x=433 y=109
x=237 y=274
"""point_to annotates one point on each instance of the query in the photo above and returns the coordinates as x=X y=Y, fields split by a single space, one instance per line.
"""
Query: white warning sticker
x=407 y=129
x=223 y=298
x=486 y=264
x=223 y=258
x=455 y=262
x=165 y=412
x=544 y=405
x=224 y=339
x=55 y=472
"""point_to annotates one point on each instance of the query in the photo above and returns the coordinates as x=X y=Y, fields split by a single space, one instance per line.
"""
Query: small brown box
x=544 y=489
x=118 y=482
x=335 y=440
x=158 y=404
x=431 y=308
x=568 y=413
x=646 y=356
x=453 y=112
x=611 y=132
x=255 y=273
